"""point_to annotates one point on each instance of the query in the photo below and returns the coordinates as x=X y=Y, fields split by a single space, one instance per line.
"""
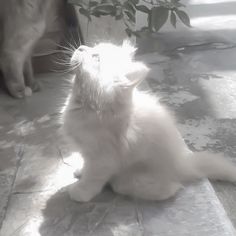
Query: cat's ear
x=136 y=74
x=128 y=47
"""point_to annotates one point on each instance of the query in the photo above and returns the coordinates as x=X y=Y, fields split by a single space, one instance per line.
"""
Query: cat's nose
x=83 y=48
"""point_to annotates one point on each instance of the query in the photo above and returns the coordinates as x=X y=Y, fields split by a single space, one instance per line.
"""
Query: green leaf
x=183 y=16
x=128 y=32
x=159 y=16
x=128 y=6
x=143 y=8
x=105 y=1
x=79 y=3
x=119 y=17
x=173 y=19
x=85 y=13
x=97 y=14
x=105 y=9
x=134 y=1
x=131 y=17
x=93 y=3
x=131 y=32
x=177 y=3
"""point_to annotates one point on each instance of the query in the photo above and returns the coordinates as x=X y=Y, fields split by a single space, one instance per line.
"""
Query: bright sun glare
x=221 y=22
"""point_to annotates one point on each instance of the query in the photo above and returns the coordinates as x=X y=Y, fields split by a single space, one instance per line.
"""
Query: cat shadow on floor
x=108 y=214
x=62 y=216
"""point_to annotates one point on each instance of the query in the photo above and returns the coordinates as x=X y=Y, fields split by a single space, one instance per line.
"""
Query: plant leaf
x=177 y=3
x=173 y=19
x=128 y=32
x=129 y=7
x=105 y=9
x=119 y=17
x=159 y=16
x=106 y=1
x=131 y=17
x=79 y=3
x=143 y=8
x=85 y=12
x=93 y=3
x=135 y=1
x=183 y=16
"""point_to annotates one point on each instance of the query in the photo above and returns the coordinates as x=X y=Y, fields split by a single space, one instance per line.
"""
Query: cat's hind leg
x=145 y=187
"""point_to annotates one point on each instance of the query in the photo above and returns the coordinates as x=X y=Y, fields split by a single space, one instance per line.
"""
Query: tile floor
x=194 y=74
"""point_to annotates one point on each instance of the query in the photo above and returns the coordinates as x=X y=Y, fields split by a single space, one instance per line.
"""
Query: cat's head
x=108 y=70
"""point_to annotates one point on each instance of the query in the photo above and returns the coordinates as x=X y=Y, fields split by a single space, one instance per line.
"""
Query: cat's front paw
x=79 y=194
x=17 y=90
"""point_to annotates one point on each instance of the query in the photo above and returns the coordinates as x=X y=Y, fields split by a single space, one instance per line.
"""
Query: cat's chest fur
x=88 y=130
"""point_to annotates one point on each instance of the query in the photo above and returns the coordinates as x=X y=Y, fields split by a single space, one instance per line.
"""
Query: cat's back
x=148 y=109
x=151 y=121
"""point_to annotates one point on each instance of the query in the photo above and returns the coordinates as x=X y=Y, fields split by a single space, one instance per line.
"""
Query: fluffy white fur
x=127 y=138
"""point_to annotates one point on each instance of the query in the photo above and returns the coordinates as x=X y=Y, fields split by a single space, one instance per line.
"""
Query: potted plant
x=116 y=19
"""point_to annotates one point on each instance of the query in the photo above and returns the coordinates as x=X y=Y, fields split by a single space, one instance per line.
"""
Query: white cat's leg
x=29 y=76
x=84 y=191
x=12 y=69
x=92 y=181
x=167 y=191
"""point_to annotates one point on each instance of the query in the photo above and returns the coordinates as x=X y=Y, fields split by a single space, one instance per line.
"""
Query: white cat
x=126 y=137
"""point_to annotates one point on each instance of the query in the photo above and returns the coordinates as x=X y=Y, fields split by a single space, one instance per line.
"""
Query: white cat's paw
x=79 y=194
x=28 y=92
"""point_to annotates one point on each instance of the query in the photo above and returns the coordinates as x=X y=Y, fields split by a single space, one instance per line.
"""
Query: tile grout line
x=19 y=155
x=222 y=211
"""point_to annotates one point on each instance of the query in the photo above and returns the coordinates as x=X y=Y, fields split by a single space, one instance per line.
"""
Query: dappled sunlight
x=37 y=201
x=221 y=94
x=124 y=229
x=67 y=100
x=64 y=175
x=32 y=226
x=220 y=22
x=64 y=106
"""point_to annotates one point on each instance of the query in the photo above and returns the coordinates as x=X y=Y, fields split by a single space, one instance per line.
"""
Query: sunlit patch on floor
x=125 y=230
x=32 y=226
x=64 y=106
x=198 y=2
x=224 y=22
x=64 y=175
x=43 y=119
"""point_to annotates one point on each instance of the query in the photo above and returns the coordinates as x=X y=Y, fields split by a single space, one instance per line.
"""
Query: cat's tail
x=207 y=165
